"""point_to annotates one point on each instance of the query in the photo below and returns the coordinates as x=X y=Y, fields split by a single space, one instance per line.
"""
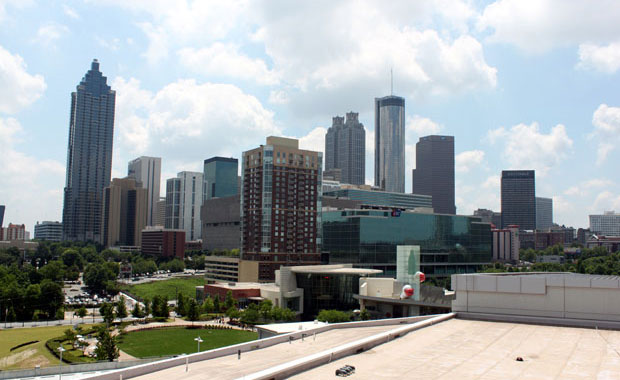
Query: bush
x=334 y=316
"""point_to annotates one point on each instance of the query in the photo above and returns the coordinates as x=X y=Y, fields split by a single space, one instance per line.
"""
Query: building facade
x=89 y=156
x=14 y=232
x=390 y=143
x=147 y=171
x=183 y=202
x=607 y=224
x=383 y=198
x=434 y=172
x=345 y=149
x=489 y=216
x=506 y=244
x=125 y=205
x=160 y=212
x=544 y=213
x=519 y=199
x=369 y=239
x=220 y=177
x=2 y=208
x=280 y=205
x=49 y=231
x=163 y=242
x=221 y=223
x=539 y=240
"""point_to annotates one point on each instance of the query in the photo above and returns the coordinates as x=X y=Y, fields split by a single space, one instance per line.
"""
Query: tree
x=70 y=335
x=181 y=308
x=54 y=271
x=96 y=276
x=193 y=310
x=207 y=305
x=364 y=315
x=249 y=316
x=147 y=307
x=106 y=346
x=81 y=312
x=333 y=316
x=107 y=312
x=160 y=307
x=121 y=308
x=229 y=301
x=233 y=313
x=216 y=303
x=137 y=311
x=71 y=257
x=51 y=298
x=265 y=308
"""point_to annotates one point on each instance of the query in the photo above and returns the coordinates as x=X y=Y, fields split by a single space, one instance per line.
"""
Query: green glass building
x=369 y=238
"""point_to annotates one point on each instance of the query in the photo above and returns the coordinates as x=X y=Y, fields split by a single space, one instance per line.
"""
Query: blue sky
x=520 y=84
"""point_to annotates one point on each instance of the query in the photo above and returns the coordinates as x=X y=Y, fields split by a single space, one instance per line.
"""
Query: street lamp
x=199 y=341
x=61 y=350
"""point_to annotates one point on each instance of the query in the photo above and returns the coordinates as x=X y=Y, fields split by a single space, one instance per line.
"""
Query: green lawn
x=179 y=340
x=185 y=285
x=32 y=354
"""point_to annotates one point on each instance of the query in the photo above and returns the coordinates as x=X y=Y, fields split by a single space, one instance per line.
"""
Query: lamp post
x=199 y=340
x=61 y=350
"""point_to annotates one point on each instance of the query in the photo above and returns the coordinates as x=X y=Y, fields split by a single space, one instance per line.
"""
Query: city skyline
x=542 y=100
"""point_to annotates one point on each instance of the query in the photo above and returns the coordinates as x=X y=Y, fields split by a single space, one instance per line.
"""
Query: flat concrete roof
x=466 y=349
x=319 y=269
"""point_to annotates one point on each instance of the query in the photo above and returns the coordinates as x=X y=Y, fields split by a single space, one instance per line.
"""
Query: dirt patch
x=18 y=357
x=38 y=360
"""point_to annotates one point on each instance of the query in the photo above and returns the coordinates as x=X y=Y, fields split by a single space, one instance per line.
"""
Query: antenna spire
x=391 y=82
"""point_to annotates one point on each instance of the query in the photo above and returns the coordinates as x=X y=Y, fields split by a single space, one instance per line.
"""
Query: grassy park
x=29 y=355
x=179 y=340
x=166 y=288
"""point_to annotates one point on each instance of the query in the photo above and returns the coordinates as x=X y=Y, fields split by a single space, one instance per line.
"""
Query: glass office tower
x=89 y=156
x=220 y=177
x=369 y=239
x=390 y=143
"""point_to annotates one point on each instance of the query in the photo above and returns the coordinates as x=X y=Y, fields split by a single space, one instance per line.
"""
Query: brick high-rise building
x=280 y=205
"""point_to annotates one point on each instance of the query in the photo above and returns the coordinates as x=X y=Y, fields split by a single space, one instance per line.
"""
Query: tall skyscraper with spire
x=89 y=156
x=345 y=148
x=390 y=143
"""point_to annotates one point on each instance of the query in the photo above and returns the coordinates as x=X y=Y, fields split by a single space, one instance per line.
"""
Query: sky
x=520 y=84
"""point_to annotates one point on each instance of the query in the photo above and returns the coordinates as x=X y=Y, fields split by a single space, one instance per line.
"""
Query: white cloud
x=18 y=88
x=70 y=12
x=31 y=188
x=187 y=120
x=605 y=201
x=14 y=4
x=526 y=147
x=225 y=59
x=314 y=140
x=422 y=126
x=584 y=187
x=112 y=44
x=183 y=22
x=486 y=195
x=604 y=58
x=49 y=33
x=606 y=121
x=536 y=26
x=465 y=161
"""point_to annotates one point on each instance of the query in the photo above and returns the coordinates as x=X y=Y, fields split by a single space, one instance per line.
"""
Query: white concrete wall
x=543 y=295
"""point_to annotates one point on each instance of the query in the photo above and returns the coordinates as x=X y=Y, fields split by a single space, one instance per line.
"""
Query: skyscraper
x=1 y=215
x=434 y=172
x=220 y=177
x=544 y=213
x=183 y=201
x=519 y=199
x=390 y=143
x=345 y=148
x=124 y=212
x=147 y=171
x=89 y=156
x=280 y=205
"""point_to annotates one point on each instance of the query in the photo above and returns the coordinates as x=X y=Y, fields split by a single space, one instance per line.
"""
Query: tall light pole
x=199 y=341
x=61 y=350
